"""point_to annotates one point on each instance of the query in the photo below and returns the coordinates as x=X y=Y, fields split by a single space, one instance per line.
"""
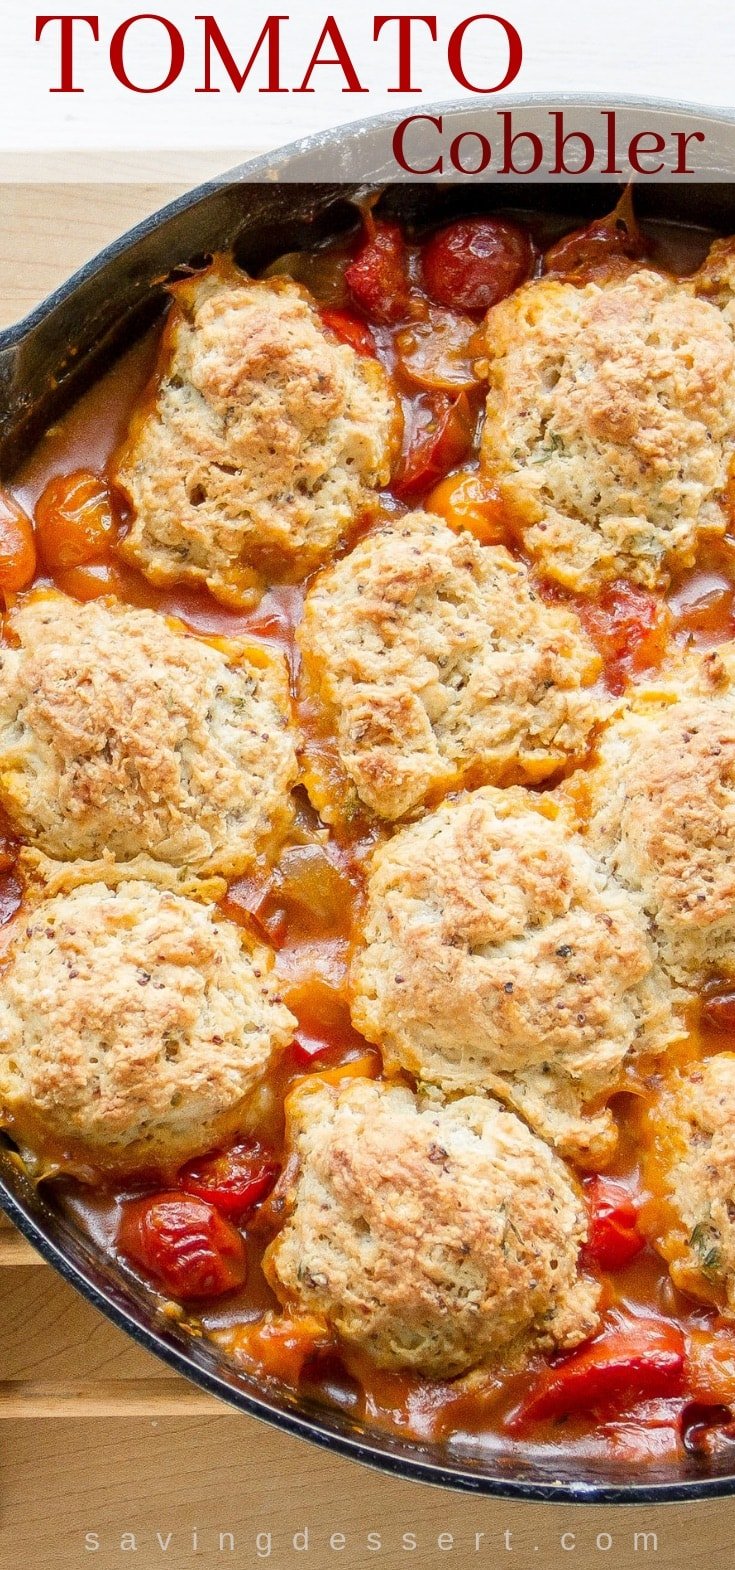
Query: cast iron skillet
x=45 y=361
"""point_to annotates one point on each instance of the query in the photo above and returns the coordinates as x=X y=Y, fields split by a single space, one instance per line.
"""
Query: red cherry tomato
x=718 y=1012
x=608 y=246
x=439 y=440
x=626 y=1363
x=349 y=329
x=234 y=1180
x=613 y=1238
x=630 y=629
x=473 y=264
x=184 y=1244
x=378 y=277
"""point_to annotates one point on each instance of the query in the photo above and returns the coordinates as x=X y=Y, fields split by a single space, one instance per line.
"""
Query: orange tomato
x=75 y=523
x=17 y=546
x=93 y=580
x=465 y=501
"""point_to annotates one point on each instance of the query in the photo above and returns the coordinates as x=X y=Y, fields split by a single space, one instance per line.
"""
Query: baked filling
x=367 y=772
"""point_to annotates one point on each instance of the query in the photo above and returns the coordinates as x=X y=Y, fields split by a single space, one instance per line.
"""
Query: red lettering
x=405 y=24
x=455 y=152
x=637 y=151
x=561 y=142
x=454 y=53
x=682 y=142
x=213 y=39
x=66 y=84
x=509 y=143
x=117 y=53
x=611 y=167
x=331 y=34
x=399 y=144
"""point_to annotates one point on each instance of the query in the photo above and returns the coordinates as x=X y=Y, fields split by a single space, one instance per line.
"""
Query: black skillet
x=262 y=210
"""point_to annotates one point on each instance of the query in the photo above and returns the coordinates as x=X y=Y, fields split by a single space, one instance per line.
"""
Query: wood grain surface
x=106 y=1459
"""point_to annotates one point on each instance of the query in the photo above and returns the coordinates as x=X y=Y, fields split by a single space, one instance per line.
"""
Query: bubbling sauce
x=308 y=906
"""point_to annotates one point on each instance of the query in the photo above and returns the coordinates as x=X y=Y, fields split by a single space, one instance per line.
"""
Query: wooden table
x=96 y=1437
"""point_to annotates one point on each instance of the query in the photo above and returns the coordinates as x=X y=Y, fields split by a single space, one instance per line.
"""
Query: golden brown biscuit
x=432 y=1237
x=611 y=424
x=500 y=956
x=435 y=663
x=691 y=1165
x=661 y=805
x=135 y=1027
x=264 y=441
x=120 y=732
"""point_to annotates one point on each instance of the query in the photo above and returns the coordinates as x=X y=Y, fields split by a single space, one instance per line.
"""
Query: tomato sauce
x=417 y=303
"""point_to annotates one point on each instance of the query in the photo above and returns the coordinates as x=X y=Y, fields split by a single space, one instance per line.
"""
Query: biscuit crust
x=691 y=1131
x=611 y=423
x=135 y=1026
x=435 y=1238
x=500 y=956
x=119 y=731
x=436 y=663
x=662 y=816
x=262 y=443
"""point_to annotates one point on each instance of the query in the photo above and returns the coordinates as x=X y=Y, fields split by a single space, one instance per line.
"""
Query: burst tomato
x=718 y=1011
x=439 y=440
x=378 y=277
x=349 y=329
x=74 y=520
x=473 y=264
x=184 y=1244
x=234 y=1180
x=613 y=1239
x=626 y=1363
x=630 y=629
x=17 y=546
x=606 y=246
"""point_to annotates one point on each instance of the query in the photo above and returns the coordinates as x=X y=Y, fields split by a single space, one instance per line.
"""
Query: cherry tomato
x=440 y=438
x=613 y=1238
x=74 y=520
x=349 y=329
x=184 y=1244
x=718 y=1011
x=465 y=501
x=627 y=1363
x=630 y=629
x=608 y=245
x=95 y=580
x=251 y=902
x=17 y=546
x=473 y=264
x=439 y=352
x=278 y=1346
x=378 y=277
x=234 y=1180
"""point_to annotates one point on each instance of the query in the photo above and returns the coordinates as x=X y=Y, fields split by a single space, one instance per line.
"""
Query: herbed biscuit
x=660 y=811
x=610 y=425
x=499 y=956
x=434 y=1238
x=691 y=1155
x=135 y=1026
x=434 y=662
x=262 y=443
x=119 y=731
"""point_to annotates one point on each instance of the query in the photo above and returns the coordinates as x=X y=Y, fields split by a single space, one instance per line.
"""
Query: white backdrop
x=678 y=49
